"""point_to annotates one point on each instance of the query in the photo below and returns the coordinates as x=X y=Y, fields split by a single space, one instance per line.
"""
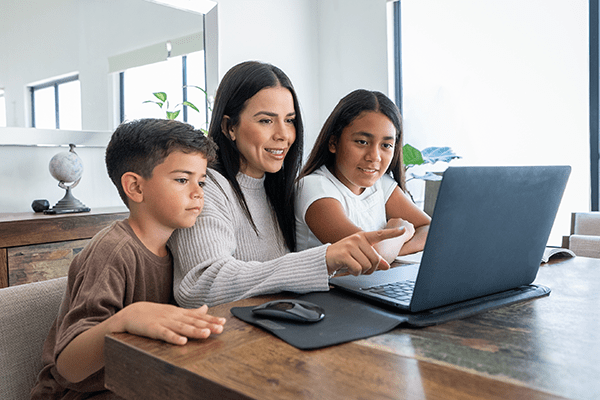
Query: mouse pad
x=349 y=318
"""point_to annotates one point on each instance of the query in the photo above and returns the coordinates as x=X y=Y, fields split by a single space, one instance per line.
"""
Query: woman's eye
x=388 y=146
x=181 y=180
x=290 y=120
x=201 y=184
x=265 y=121
x=362 y=142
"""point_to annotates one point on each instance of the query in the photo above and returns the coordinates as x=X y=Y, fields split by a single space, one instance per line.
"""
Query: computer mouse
x=291 y=309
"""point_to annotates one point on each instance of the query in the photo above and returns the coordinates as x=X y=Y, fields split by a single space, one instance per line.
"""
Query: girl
x=240 y=245
x=354 y=179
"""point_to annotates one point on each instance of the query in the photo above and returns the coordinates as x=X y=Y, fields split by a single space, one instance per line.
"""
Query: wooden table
x=35 y=246
x=547 y=348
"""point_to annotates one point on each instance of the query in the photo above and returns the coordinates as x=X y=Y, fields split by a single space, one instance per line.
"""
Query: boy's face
x=173 y=195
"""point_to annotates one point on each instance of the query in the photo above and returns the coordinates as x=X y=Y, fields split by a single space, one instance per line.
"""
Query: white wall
x=327 y=47
x=283 y=33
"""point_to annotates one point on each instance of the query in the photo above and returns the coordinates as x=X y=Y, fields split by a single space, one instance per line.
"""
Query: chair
x=584 y=240
x=26 y=314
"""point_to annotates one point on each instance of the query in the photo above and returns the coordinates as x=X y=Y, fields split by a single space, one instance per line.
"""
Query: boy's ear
x=131 y=183
x=227 y=129
x=332 y=144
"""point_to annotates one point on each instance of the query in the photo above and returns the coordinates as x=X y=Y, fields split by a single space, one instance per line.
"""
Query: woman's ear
x=132 y=186
x=227 y=129
x=332 y=144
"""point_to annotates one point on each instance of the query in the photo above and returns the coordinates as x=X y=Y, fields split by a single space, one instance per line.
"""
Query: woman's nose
x=284 y=131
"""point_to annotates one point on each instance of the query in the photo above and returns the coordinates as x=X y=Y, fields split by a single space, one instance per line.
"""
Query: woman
x=354 y=179
x=240 y=245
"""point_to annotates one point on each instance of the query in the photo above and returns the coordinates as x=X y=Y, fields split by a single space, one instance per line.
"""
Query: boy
x=122 y=280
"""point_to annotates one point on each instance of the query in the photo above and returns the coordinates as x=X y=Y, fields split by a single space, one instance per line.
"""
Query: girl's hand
x=409 y=229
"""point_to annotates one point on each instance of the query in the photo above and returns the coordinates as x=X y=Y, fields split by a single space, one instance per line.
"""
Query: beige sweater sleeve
x=222 y=259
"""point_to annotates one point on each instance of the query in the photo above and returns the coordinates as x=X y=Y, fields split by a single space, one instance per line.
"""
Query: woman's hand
x=356 y=254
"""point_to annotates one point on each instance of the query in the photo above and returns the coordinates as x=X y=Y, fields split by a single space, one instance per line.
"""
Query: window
x=177 y=77
x=504 y=87
x=56 y=104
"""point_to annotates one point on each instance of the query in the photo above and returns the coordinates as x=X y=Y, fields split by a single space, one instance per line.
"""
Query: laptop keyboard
x=401 y=291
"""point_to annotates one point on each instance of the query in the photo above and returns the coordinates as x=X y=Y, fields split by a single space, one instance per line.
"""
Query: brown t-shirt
x=114 y=270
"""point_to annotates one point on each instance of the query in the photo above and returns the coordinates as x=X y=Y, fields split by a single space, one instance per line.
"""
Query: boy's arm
x=84 y=355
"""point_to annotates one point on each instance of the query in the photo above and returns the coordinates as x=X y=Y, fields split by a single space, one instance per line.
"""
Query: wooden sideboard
x=36 y=247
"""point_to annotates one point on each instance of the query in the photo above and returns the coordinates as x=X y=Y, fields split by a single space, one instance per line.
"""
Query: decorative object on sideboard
x=67 y=167
x=40 y=205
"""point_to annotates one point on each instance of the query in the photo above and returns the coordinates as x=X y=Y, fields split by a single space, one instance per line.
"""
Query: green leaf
x=198 y=87
x=187 y=103
x=162 y=96
x=172 y=114
x=158 y=103
x=411 y=156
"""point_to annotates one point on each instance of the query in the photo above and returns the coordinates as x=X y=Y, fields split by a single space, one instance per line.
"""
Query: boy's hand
x=170 y=323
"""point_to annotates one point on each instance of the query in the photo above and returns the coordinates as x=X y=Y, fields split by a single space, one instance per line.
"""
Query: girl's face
x=364 y=150
x=265 y=131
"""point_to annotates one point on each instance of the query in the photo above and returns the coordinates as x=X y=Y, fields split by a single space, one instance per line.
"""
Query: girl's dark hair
x=238 y=85
x=346 y=111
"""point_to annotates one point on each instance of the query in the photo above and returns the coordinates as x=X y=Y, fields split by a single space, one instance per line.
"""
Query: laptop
x=488 y=233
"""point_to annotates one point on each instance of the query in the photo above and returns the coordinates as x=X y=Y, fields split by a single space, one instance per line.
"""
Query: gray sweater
x=222 y=259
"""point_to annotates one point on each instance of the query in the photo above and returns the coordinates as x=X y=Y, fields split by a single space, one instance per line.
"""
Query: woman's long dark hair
x=238 y=85
x=346 y=111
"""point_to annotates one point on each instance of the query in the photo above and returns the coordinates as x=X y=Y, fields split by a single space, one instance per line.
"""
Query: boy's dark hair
x=238 y=85
x=346 y=111
x=139 y=146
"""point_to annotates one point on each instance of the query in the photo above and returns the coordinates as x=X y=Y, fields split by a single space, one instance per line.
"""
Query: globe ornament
x=67 y=168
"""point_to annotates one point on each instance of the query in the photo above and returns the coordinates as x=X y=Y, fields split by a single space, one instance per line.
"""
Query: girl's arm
x=328 y=221
x=399 y=205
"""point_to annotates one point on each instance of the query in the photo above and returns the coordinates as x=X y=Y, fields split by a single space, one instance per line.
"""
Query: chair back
x=584 y=240
x=26 y=314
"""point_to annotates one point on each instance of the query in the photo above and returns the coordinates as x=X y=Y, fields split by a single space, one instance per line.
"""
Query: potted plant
x=413 y=157
x=173 y=113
